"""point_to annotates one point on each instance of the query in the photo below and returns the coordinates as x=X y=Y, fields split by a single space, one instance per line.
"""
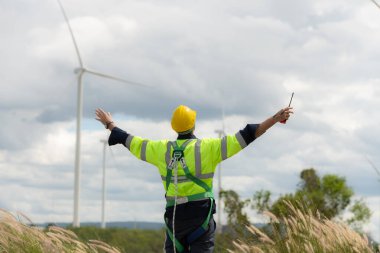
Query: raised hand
x=104 y=117
x=283 y=115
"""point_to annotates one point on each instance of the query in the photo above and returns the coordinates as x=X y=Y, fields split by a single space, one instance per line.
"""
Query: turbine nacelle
x=79 y=70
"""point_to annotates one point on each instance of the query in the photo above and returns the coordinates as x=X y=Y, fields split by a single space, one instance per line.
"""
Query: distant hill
x=113 y=224
x=125 y=224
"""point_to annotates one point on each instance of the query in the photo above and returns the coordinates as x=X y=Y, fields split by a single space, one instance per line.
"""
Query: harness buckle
x=172 y=164
x=178 y=154
x=182 y=200
x=183 y=163
x=176 y=157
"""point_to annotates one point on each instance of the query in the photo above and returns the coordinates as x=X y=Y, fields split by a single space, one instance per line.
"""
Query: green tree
x=261 y=200
x=328 y=195
x=237 y=219
x=360 y=215
x=233 y=206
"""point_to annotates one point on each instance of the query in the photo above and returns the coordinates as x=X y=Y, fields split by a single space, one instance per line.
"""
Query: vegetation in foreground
x=293 y=228
x=302 y=231
x=126 y=240
x=18 y=237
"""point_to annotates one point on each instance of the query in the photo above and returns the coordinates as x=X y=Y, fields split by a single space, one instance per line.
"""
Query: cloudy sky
x=244 y=56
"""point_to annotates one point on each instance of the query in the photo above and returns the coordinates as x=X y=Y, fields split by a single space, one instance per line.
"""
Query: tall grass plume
x=302 y=231
x=18 y=236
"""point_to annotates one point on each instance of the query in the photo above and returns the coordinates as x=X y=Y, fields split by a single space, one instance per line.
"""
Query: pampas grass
x=16 y=236
x=302 y=231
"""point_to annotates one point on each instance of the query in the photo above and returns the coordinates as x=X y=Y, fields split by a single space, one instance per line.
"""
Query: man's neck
x=186 y=136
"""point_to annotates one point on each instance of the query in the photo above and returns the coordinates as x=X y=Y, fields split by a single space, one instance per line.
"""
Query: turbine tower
x=80 y=71
x=221 y=133
x=103 y=222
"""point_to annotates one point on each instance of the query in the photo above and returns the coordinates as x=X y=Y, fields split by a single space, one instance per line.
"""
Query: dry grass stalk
x=103 y=246
x=305 y=232
x=18 y=237
x=272 y=217
x=262 y=236
x=256 y=249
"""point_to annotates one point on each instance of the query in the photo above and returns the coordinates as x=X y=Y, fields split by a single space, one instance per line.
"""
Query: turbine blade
x=373 y=166
x=71 y=33
x=116 y=78
x=378 y=5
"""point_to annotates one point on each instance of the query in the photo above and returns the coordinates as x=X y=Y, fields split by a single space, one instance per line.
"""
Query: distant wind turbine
x=104 y=185
x=103 y=222
x=221 y=133
x=80 y=71
x=374 y=167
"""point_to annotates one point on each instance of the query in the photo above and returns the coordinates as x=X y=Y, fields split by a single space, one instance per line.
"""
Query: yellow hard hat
x=183 y=119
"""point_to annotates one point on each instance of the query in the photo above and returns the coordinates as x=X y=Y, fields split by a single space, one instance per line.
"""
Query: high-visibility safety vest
x=201 y=156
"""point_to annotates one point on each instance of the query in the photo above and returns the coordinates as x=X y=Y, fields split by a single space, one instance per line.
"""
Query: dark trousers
x=204 y=244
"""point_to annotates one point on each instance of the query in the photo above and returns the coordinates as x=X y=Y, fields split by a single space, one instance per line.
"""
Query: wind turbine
x=374 y=167
x=80 y=71
x=378 y=5
x=221 y=133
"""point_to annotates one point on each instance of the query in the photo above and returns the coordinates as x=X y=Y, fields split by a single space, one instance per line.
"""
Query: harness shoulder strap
x=179 y=156
x=176 y=156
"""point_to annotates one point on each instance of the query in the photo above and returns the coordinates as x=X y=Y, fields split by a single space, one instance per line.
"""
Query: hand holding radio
x=286 y=112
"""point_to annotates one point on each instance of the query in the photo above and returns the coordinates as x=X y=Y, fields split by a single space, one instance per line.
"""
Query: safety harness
x=178 y=156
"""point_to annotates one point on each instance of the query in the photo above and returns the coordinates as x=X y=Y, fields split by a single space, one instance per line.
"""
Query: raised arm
x=141 y=148
x=281 y=115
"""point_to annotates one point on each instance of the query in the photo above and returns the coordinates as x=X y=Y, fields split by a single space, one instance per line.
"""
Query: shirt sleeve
x=118 y=136
x=249 y=133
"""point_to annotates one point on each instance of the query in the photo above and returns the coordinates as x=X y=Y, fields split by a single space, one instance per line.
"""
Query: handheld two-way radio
x=291 y=98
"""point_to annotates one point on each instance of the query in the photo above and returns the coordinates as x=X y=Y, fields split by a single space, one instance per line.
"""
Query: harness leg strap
x=177 y=244
x=203 y=228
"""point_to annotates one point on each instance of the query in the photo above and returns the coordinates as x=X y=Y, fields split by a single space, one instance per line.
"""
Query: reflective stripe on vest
x=197 y=153
x=182 y=179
